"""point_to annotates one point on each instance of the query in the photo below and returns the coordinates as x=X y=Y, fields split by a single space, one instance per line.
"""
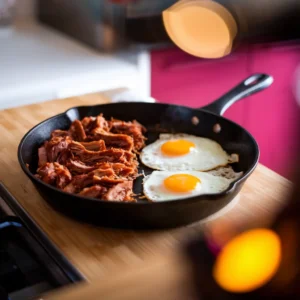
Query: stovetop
x=30 y=265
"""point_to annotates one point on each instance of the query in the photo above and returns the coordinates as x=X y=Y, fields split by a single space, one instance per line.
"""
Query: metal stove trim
x=14 y=207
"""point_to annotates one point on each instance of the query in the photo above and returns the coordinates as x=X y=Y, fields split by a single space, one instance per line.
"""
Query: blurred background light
x=248 y=261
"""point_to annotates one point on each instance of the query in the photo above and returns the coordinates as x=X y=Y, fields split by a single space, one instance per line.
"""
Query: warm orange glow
x=177 y=147
x=201 y=28
x=181 y=183
x=248 y=261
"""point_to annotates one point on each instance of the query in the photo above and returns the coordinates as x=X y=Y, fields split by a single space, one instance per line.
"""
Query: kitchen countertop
x=98 y=252
x=40 y=64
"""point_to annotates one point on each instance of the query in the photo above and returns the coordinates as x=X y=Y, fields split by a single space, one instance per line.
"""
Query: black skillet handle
x=249 y=86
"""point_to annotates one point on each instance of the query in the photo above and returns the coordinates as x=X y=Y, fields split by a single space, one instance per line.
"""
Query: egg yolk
x=177 y=147
x=181 y=183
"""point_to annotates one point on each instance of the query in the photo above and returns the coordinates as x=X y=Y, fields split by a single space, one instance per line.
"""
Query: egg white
x=154 y=189
x=206 y=155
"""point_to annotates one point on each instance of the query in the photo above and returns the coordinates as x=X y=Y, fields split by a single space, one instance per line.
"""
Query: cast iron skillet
x=173 y=118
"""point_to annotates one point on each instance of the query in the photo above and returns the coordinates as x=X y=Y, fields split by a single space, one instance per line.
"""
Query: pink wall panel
x=179 y=78
x=272 y=116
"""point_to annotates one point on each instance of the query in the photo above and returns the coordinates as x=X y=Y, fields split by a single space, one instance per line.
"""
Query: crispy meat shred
x=112 y=140
x=120 y=192
x=91 y=123
x=43 y=159
x=94 y=191
x=94 y=158
x=56 y=146
x=133 y=129
x=62 y=133
x=94 y=145
x=78 y=167
x=54 y=174
x=77 y=131
x=90 y=157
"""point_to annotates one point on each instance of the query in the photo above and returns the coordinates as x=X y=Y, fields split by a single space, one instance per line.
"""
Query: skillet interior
x=170 y=118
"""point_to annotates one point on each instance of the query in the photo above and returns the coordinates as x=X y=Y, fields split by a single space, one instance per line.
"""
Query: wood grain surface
x=169 y=278
x=97 y=252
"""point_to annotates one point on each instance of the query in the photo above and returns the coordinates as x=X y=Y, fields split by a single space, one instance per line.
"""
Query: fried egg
x=177 y=152
x=168 y=185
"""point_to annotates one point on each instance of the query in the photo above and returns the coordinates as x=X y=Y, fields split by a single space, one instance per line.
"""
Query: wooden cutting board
x=96 y=252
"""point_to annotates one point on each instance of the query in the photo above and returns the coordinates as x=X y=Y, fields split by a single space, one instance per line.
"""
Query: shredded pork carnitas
x=94 y=158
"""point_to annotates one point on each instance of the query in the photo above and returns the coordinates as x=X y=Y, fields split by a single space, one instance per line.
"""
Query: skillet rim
x=210 y=197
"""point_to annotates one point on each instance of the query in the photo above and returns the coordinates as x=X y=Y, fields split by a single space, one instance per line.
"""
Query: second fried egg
x=167 y=185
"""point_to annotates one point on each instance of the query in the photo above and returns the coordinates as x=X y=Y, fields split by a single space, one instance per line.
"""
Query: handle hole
x=252 y=81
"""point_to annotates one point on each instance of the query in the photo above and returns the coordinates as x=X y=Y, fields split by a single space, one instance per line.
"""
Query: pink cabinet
x=179 y=78
x=271 y=116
